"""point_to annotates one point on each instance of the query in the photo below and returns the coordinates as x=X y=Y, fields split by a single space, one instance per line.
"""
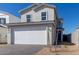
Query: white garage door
x=30 y=35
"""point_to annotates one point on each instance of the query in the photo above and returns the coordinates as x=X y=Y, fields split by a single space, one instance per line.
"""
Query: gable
x=29 y=8
x=42 y=7
x=36 y=7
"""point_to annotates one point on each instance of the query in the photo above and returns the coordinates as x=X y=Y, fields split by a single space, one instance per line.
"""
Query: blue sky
x=69 y=13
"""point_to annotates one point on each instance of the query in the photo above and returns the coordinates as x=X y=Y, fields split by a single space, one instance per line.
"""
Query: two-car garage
x=29 y=35
x=40 y=33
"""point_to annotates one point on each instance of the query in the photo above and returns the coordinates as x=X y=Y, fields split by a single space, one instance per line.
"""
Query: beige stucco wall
x=36 y=16
x=9 y=35
x=23 y=17
x=3 y=35
x=13 y=19
x=75 y=37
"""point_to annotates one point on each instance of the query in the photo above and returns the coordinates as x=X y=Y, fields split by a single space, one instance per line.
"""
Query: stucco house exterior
x=75 y=36
x=39 y=25
x=5 y=18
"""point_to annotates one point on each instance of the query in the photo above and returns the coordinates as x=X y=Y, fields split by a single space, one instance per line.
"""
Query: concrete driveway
x=19 y=49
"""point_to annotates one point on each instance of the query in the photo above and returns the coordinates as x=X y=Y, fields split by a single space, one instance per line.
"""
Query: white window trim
x=46 y=16
x=3 y=21
x=30 y=17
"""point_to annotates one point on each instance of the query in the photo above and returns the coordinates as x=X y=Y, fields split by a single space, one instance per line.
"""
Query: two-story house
x=6 y=17
x=39 y=25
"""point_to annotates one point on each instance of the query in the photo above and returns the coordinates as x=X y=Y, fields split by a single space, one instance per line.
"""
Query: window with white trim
x=28 y=18
x=2 y=20
x=43 y=16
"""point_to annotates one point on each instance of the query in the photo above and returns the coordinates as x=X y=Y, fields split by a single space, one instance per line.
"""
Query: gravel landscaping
x=63 y=50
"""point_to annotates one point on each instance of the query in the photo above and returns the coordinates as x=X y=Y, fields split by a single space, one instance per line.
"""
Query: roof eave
x=29 y=23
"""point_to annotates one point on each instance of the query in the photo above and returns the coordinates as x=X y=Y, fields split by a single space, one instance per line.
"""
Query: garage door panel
x=30 y=35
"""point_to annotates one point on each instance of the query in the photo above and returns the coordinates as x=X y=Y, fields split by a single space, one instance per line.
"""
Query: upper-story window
x=43 y=16
x=2 y=20
x=28 y=18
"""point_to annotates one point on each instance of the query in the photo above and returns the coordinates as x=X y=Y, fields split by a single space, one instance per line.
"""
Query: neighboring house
x=67 y=38
x=6 y=17
x=39 y=25
x=75 y=36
